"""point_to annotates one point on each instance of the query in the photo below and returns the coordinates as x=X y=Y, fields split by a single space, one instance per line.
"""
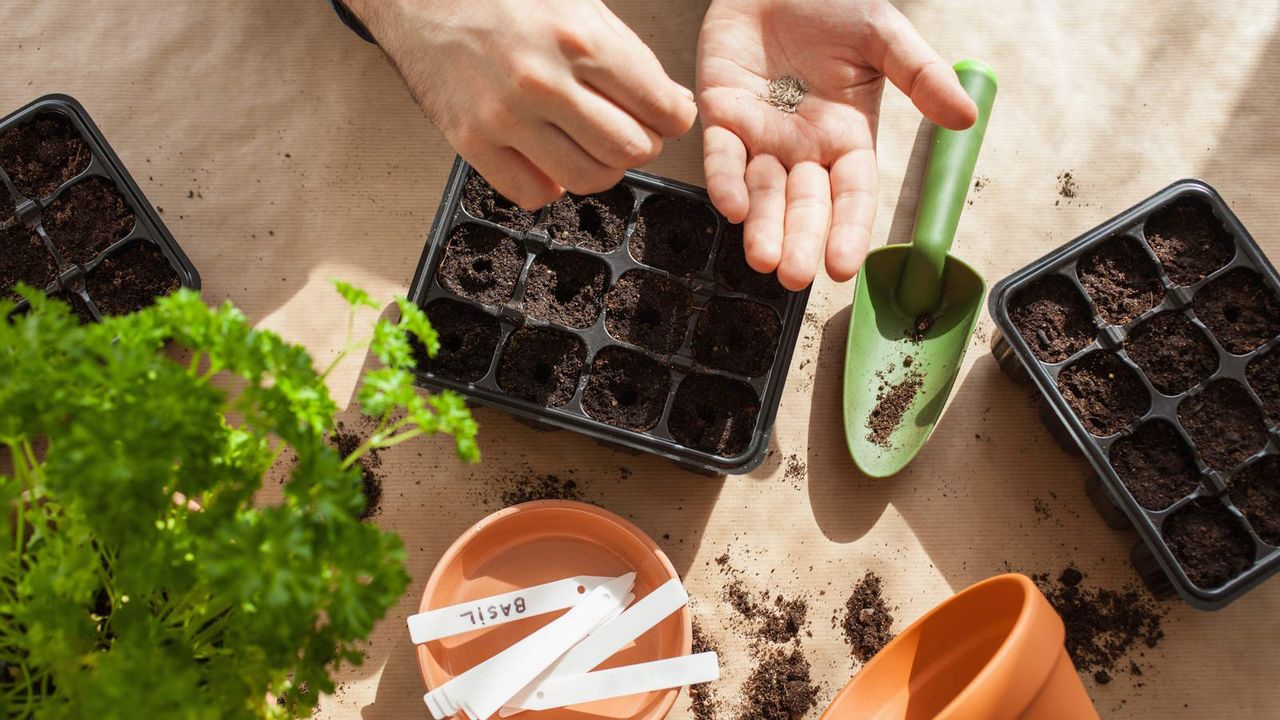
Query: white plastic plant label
x=626 y=680
x=500 y=609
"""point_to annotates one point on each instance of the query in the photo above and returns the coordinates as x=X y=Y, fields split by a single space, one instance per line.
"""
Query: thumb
x=902 y=55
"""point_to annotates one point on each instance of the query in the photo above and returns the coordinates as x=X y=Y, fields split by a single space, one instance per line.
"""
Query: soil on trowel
x=1053 y=318
x=542 y=365
x=649 y=310
x=1104 y=393
x=1255 y=490
x=566 y=287
x=468 y=340
x=1156 y=465
x=481 y=263
x=1264 y=378
x=734 y=273
x=1173 y=353
x=41 y=154
x=23 y=258
x=1224 y=423
x=131 y=279
x=1190 y=242
x=86 y=219
x=482 y=201
x=920 y=327
x=714 y=414
x=892 y=402
x=594 y=222
x=1209 y=542
x=347 y=441
x=737 y=336
x=626 y=389
x=780 y=687
x=868 y=620
x=1121 y=279
x=674 y=234
x=1240 y=310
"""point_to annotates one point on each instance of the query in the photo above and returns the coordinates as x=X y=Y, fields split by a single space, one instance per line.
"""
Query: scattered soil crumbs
x=524 y=485
x=346 y=441
x=780 y=688
x=867 y=619
x=704 y=701
x=1067 y=188
x=795 y=471
x=920 y=327
x=785 y=93
x=1189 y=240
x=482 y=201
x=779 y=620
x=892 y=403
x=1104 y=626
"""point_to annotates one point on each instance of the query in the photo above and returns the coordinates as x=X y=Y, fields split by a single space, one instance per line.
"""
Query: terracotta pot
x=993 y=651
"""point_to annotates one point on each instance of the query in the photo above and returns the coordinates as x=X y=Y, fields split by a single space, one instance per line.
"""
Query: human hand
x=802 y=178
x=539 y=97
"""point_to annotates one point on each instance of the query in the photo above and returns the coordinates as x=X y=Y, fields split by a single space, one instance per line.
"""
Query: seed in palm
x=785 y=93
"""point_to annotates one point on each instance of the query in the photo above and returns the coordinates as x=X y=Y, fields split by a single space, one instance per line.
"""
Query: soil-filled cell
x=482 y=201
x=542 y=365
x=1105 y=393
x=1121 y=279
x=1156 y=465
x=79 y=308
x=468 y=340
x=674 y=234
x=1264 y=378
x=735 y=274
x=1209 y=542
x=87 y=219
x=1255 y=490
x=626 y=389
x=737 y=336
x=1053 y=318
x=1189 y=240
x=481 y=263
x=566 y=287
x=1224 y=423
x=1173 y=353
x=23 y=258
x=594 y=222
x=1240 y=310
x=714 y=414
x=43 y=153
x=648 y=310
x=131 y=279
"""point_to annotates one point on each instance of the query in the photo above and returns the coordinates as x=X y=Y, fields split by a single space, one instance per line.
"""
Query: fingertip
x=730 y=198
x=793 y=277
x=762 y=255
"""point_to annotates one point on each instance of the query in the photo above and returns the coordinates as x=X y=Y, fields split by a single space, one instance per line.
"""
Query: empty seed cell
x=23 y=258
x=593 y=222
x=714 y=414
x=674 y=234
x=1156 y=465
x=1173 y=353
x=468 y=339
x=483 y=202
x=43 y=153
x=1121 y=279
x=649 y=310
x=626 y=389
x=86 y=219
x=1053 y=318
x=1209 y=542
x=542 y=365
x=481 y=263
x=1224 y=423
x=1189 y=240
x=566 y=287
x=1105 y=394
x=737 y=336
x=1239 y=309
x=1255 y=491
x=131 y=279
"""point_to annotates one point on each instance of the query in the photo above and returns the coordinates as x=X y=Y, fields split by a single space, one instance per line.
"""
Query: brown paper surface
x=285 y=152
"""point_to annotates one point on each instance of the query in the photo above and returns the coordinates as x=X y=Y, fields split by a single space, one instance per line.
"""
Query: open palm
x=807 y=179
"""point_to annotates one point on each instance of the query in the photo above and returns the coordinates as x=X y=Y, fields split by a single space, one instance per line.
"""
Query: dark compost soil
x=79 y=308
x=1173 y=353
x=868 y=621
x=468 y=339
x=482 y=201
x=738 y=336
x=626 y=389
x=1264 y=378
x=43 y=153
x=566 y=287
x=23 y=258
x=1121 y=279
x=649 y=310
x=1156 y=465
x=1104 y=393
x=594 y=222
x=1255 y=490
x=87 y=218
x=674 y=234
x=892 y=402
x=542 y=365
x=346 y=441
x=1224 y=423
x=1239 y=309
x=481 y=263
x=776 y=620
x=1190 y=242
x=131 y=279
x=1053 y=318
x=780 y=687
x=714 y=414
x=733 y=271
x=1208 y=542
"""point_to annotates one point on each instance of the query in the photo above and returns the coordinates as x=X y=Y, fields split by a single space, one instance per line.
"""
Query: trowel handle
x=952 y=157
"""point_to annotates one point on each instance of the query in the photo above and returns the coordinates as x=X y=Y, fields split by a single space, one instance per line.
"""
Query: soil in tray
x=131 y=279
x=542 y=365
x=86 y=219
x=1264 y=378
x=674 y=234
x=714 y=414
x=565 y=287
x=1105 y=393
x=1121 y=279
x=79 y=308
x=481 y=263
x=1156 y=465
x=43 y=153
x=648 y=310
x=1255 y=490
x=737 y=336
x=1189 y=240
x=1209 y=542
x=626 y=389
x=468 y=339
x=1224 y=423
x=23 y=258
x=595 y=222
x=735 y=274
x=1053 y=318
x=482 y=201
x=1239 y=309
x=1173 y=353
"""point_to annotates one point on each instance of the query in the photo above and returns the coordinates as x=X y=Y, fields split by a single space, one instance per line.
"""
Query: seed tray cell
x=1153 y=342
x=629 y=316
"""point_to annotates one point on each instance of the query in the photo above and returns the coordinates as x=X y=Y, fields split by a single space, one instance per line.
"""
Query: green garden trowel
x=915 y=307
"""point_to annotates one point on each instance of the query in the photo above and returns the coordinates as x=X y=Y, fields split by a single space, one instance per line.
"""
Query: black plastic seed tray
x=55 y=190
x=511 y=299
x=1153 y=339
